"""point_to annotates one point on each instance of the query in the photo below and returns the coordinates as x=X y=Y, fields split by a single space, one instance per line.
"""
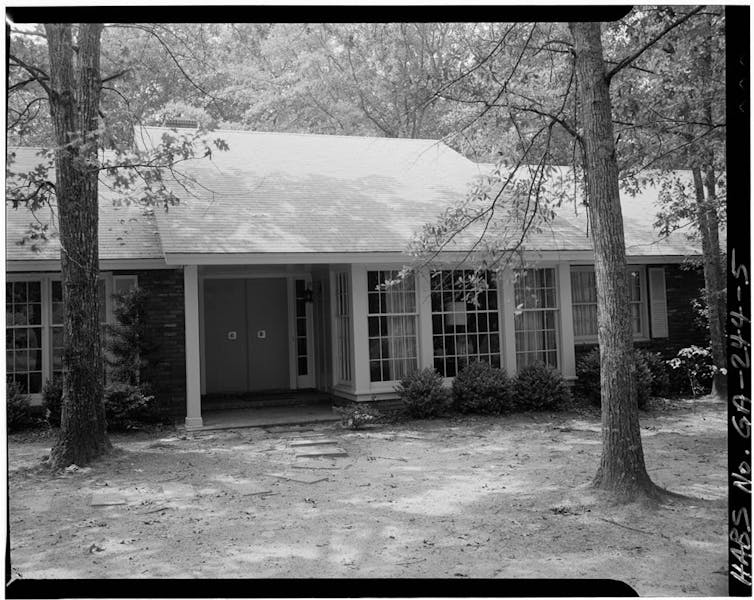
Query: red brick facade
x=165 y=315
x=682 y=286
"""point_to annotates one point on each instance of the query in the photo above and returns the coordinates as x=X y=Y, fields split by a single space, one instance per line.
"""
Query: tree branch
x=629 y=59
x=38 y=74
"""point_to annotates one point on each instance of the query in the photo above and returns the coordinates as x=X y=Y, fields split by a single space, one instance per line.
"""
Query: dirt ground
x=464 y=497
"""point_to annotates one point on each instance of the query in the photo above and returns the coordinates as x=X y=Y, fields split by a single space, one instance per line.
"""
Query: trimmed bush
x=52 y=400
x=18 y=408
x=659 y=369
x=540 y=387
x=481 y=388
x=126 y=406
x=588 y=383
x=423 y=394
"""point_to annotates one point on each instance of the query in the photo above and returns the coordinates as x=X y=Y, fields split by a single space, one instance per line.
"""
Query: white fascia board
x=133 y=264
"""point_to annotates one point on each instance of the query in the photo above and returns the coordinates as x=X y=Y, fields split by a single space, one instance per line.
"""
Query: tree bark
x=622 y=470
x=74 y=103
x=707 y=224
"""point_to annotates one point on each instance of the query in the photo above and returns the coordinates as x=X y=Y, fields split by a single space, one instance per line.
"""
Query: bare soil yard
x=466 y=497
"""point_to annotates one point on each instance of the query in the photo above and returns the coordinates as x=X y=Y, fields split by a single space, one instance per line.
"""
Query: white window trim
x=383 y=385
x=556 y=310
x=46 y=280
x=644 y=335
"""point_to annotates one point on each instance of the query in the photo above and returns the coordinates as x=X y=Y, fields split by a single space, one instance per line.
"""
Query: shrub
x=423 y=394
x=540 y=387
x=588 y=383
x=481 y=388
x=659 y=369
x=698 y=367
x=356 y=415
x=126 y=405
x=52 y=400
x=18 y=408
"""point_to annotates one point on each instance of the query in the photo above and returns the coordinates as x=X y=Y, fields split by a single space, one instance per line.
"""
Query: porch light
x=308 y=295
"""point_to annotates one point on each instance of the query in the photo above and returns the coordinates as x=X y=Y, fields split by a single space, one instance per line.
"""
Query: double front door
x=250 y=333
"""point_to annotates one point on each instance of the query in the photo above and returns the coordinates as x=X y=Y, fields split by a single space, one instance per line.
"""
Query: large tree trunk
x=707 y=223
x=622 y=470
x=74 y=104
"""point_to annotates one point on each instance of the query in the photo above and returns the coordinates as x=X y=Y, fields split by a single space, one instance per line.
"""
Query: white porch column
x=567 y=348
x=509 y=326
x=424 y=308
x=193 y=362
x=359 y=310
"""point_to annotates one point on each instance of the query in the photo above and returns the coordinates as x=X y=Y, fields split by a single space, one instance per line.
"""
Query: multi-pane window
x=536 y=317
x=584 y=298
x=23 y=334
x=34 y=327
x=343 y=325
x=302 y=354
x=465 y=320
x=392 y=327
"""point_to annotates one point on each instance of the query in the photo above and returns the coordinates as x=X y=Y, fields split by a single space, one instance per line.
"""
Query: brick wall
x=682 y=285
x=165 y=317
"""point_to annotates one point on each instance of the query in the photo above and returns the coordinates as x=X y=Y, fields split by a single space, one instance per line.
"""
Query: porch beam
x=193 y=360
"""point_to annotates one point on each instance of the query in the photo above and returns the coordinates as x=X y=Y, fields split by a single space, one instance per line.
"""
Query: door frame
x=295 y=381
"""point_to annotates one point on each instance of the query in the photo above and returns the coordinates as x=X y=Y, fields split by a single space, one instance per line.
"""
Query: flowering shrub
x=697 y=365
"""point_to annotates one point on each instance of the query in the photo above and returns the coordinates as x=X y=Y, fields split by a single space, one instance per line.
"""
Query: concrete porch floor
x=266 y=416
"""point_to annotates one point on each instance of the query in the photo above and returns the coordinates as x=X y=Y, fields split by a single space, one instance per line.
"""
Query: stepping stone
x=311 y=442
x=316 y=467
x=324 y=453
x=106 y=499
x=248 y=488
x=178 y=490
x=298 y=477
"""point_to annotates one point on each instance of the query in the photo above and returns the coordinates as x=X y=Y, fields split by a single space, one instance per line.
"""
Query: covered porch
x=324 y=328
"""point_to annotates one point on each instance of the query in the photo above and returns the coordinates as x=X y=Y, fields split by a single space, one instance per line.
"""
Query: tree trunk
x=622 y=470
x=713 y=278
x=74 y=104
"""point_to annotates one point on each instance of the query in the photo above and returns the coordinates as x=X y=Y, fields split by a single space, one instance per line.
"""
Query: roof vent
x=181 y=123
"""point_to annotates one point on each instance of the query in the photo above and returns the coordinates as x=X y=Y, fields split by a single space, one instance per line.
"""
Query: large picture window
x=465 y=325
x=536 y=317
x=392 y=326
x=584 y=298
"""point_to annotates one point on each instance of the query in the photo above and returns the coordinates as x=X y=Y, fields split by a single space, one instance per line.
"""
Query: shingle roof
x=275 y=192
x=125 y=232
x=279 y=192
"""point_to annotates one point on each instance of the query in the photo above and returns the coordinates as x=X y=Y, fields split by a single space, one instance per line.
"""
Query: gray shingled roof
x=125 y=232
x=278 y=192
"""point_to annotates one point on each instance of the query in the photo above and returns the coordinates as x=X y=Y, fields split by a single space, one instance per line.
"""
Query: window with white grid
x=392 y=319
x=465 y=324
x=23 y=334
x=584 y=300
x=343 y=325
x=536 y=317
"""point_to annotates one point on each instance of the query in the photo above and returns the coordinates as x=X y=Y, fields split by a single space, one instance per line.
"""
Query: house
x=265 y=277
